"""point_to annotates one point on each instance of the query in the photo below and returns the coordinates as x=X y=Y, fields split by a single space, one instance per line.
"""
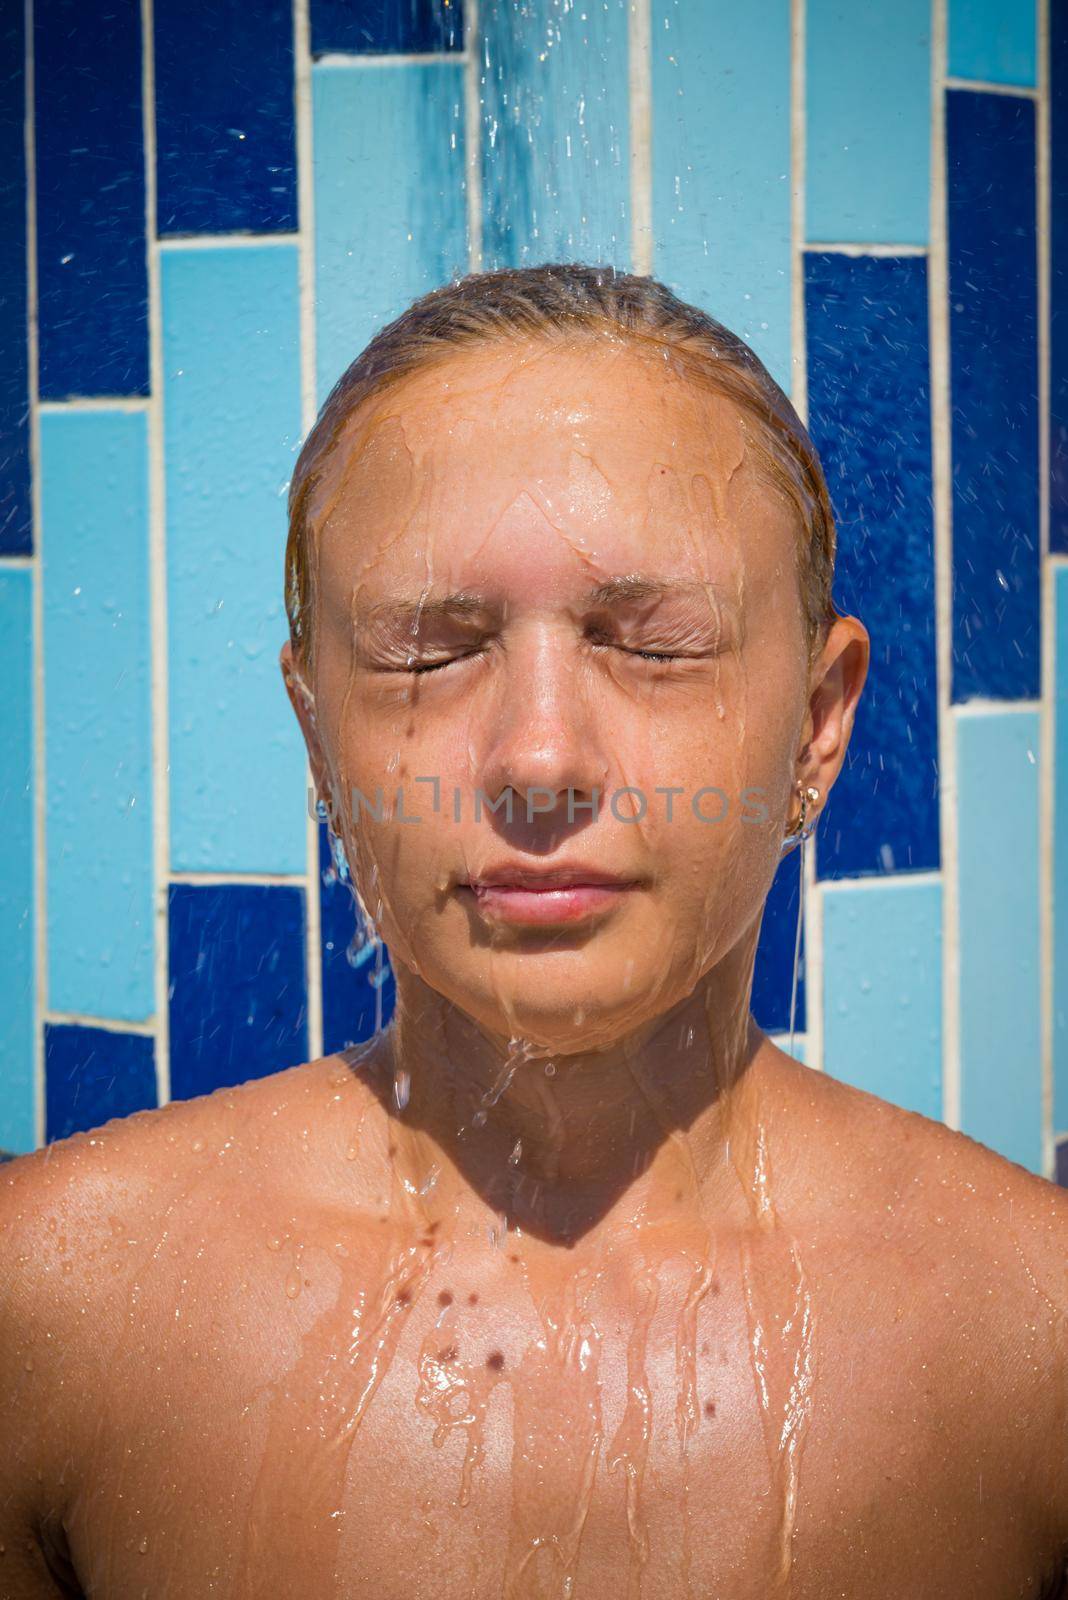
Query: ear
x=303 y=702
x=837 y=680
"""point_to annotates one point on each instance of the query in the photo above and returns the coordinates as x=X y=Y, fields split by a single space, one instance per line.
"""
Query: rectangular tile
x=882 y=988
x=773 y=970
x=990 y=155
x=94 y=1074
x=1058 y=260
x=91 y=267
x=16 y=516
x=1060 y=853
x=998 y=929
x=382 y=27
x=721 y=166
x=225 y=142
x=232 y=427
x=555 y=108
x=18 y=920
x=353 y=975
x=867 y=122
x=238 y=1005
x=869 y=415
x=98 y=714
x=390 y=214
x=993 y=40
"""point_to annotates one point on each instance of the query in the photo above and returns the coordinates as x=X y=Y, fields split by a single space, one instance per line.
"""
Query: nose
x=541 y=740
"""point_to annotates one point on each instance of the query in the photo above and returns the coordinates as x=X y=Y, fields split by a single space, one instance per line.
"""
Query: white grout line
x=93 y=403
x=812 y=932
x=873 y=249
x=472 y=135
x=302 y=100
x=979 y=707
x=429 y=59
x=223 y=241
x=1020 y=90
x=941 y=467
x=1048 y=614
x=110 y=1024
x=18 y=563
x=157 y=542
x=295 y=880
x=640 y=59
x=37 y=566
x=881 y=880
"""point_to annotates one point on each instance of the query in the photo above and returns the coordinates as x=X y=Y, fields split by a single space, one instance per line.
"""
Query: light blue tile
x=555 y=150
x=98 y=713
x=721 y=165
x=868 y=121
x=882 y=987
x=390 y=212
x=992 y=40
x=1060 y=855
x=18 y=1123
x=1000 y=998
x=231 y=406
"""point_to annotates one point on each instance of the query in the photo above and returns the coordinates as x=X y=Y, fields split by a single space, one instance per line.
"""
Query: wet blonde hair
x=562 y=301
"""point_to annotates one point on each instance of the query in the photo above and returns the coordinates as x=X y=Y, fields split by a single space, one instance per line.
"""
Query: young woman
x=569 y=1279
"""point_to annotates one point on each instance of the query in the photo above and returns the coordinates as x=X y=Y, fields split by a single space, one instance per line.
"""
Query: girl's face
x=549 y=574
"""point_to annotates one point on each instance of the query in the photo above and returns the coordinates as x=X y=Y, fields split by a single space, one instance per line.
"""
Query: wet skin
x=571 y=1279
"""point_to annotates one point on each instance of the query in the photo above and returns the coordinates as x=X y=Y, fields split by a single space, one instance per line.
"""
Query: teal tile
x=998 y=930
x=721 y=165
x=992 y=40
x=390 y=208
x=18 y=1119
x=867 y=121
x=1060 y=854
x=98 y=713
x=882 y=989
x=555 y=138
x=232 y=428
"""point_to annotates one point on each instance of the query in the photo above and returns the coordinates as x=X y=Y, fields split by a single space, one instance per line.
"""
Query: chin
x=557 y=1016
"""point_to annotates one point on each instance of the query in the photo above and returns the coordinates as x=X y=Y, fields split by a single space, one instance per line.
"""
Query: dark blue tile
x=1062 y=1163
x=1058 y=251
x=352 y=974
x=91 y=266
x=237 y=989
x=92 y=1075
x=225 y=143
x=774 y=966
x=16 y=522
x=869 y=416
x=395 y=27
x=993 y=330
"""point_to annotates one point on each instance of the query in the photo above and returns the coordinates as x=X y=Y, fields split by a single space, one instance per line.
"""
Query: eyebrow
x=466 y=603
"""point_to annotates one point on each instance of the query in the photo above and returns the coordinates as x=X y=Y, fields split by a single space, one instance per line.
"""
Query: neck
x=636 y=1130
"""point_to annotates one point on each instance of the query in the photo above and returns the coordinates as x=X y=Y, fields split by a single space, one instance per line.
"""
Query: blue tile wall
x=868 y=122
x=390 y=214
x=993 y=40
x=18 y=922
x=225 y=136
x=990 y=159
x=231 y=408
x=143 y=487
x=556 y=187
x=869 y=414
x=381 y=27
x=16 y=516
x=238 y=994
x=98 y=714
x=1058 y=266
x=721 y=166
x=92 y=276
x=92 y=1075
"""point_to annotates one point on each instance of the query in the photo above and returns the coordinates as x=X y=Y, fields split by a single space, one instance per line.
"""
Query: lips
x=544 y=897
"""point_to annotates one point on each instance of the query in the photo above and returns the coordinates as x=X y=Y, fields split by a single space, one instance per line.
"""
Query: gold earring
x=802 y=828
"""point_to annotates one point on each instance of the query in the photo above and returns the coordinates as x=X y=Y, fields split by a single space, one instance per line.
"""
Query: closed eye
x=436 y=666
